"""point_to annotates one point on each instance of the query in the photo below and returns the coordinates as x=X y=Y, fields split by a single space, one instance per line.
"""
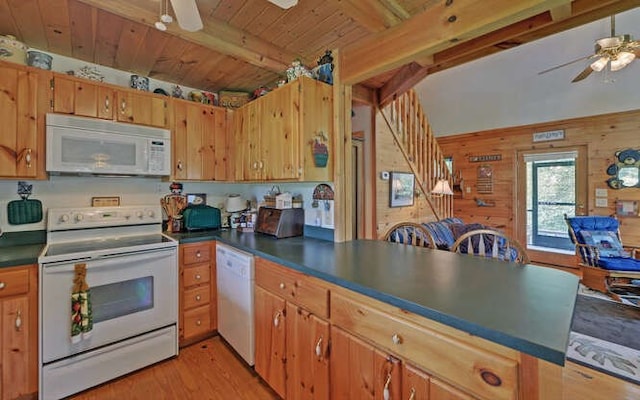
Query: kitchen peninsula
x=510 y=323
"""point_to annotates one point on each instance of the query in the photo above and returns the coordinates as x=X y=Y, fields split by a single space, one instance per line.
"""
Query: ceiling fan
x=188 y=16
x=615 y=51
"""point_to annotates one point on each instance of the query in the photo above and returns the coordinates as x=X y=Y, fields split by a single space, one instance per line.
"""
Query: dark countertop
x=528 y=308
x=21 y=248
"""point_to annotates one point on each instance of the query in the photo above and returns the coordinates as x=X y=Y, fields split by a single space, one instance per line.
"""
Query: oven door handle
x=108 y=260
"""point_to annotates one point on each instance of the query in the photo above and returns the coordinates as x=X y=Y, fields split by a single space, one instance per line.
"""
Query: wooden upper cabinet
x=199 y=141
x=23 y=98
x=82 y=97
x=143 y=108
x=276 y=136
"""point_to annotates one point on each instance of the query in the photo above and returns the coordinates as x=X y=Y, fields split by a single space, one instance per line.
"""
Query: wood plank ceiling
x=386 y=45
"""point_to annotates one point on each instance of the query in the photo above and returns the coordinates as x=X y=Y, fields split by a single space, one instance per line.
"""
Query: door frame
x=582 y=197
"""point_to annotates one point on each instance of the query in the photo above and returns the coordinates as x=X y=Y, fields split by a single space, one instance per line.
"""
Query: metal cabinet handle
x=18 y=321
x=412 y=394
x=319 y=348
x=276 y=318
x=123 y=106
x=27 y=158
x=198 y=254
x=396 y=339
x=282 y=285
x=198 y=277
x=261 y=164
x=179 y=166
x=198 y=322
x=2 y=285
x=198 y=298
x=106 y=103
x=385 y=393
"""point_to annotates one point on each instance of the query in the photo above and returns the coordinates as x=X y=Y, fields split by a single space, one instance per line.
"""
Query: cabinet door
x=216 y=147
x=82 y=97
x=270 y=325
x=279 y=133
x=439 y=390
x=246 y=142
x=19 y=123
x=415 y=383
x=307 y=355
x=141 y=108
x=360 y=371
x=14 y=347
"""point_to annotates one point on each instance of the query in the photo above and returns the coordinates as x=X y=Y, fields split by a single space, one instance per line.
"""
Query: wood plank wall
x=603 y=135
x=389 y=158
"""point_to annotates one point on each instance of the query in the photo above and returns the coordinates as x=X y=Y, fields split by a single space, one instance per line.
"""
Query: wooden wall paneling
x=602 y=135
x=130 y=43
x=108 y=40
x=6 y=20
x=25 y=13
x=83 y=20
x=55 y=20
x=154 y=44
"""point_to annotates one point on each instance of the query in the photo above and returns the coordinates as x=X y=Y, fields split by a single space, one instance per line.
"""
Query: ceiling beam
x=533 y=28
x=406 y=78
x=434 y=30
x=376 y=16
x=217 y=35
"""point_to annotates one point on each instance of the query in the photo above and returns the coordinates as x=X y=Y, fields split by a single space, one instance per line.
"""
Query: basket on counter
x=270 y=196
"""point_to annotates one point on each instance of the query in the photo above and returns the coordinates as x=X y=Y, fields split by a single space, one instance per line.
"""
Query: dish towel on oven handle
x=81 y=318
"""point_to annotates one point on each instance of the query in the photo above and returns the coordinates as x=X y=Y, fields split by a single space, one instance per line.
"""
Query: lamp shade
x=235 y=203
x=441 y=188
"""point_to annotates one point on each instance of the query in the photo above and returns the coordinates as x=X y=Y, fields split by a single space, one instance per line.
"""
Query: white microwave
x=78 y=145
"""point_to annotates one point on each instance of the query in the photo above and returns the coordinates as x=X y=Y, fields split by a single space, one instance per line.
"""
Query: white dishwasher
x=235 y=276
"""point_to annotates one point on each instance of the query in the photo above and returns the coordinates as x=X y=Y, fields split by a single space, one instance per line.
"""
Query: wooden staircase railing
x=412 y=132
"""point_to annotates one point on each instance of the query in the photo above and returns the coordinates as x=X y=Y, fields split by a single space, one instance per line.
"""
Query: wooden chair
x=604 y=272
x=490 y=243
x=410 y=233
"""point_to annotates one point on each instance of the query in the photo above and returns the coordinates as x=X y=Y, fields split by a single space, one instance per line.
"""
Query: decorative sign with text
x=485 y=158
x=548 y=136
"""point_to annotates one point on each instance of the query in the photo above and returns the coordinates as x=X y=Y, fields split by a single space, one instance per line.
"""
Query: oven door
x=131 y=294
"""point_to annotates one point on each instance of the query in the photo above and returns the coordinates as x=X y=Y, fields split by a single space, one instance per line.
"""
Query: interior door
x=552 y=182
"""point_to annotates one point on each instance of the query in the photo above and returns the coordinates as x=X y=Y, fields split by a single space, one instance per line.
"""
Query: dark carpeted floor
x=607 y=320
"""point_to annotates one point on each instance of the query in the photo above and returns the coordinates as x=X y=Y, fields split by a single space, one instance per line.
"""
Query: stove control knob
x=139 y=214
x=79 y=217
x=63 y=218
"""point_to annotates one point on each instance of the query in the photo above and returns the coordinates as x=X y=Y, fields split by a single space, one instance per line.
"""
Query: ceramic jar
x=140 y=82
x=39 y=60
x=12 y=50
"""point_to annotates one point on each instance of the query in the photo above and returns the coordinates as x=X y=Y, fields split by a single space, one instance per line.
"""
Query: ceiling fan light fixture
x=623 y=59
x=285 y=4
x=160 y=26
x=166 y=18
x=599 y=64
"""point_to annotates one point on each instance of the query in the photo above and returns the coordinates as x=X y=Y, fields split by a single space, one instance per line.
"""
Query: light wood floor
x=210 y=370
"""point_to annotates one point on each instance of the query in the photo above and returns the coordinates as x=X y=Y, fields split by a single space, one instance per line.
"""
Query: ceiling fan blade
x=565 y=64
x=582 y=75
x=187 y=14
x=285 y=4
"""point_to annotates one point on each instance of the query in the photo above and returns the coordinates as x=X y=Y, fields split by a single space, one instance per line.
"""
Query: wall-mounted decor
x=401 y=189
x=627 y=208
x=625 y=171
x=548 y=136
x=485 y=158
x=484 y=182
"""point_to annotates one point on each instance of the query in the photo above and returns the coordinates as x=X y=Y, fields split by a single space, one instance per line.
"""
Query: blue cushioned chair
x=604 y=261
x=441 y=232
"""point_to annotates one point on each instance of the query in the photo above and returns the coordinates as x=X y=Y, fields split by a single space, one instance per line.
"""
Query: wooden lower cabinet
x=18 y=332
x=360 y=371
x=270 y=325
x=198 y=312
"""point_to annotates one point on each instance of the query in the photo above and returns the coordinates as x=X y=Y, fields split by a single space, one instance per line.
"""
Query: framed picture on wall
x=401 y=189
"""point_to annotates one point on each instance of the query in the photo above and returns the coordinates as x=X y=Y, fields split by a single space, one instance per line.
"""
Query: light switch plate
x=601 y=202
x=601 y=192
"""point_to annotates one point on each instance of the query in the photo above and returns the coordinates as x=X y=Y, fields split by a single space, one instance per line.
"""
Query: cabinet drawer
x=294 y=286
x=485 y=374
x=197 y=321
x=197 y=296
x=196 y=253
x=196 y=275
x=14 y=282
